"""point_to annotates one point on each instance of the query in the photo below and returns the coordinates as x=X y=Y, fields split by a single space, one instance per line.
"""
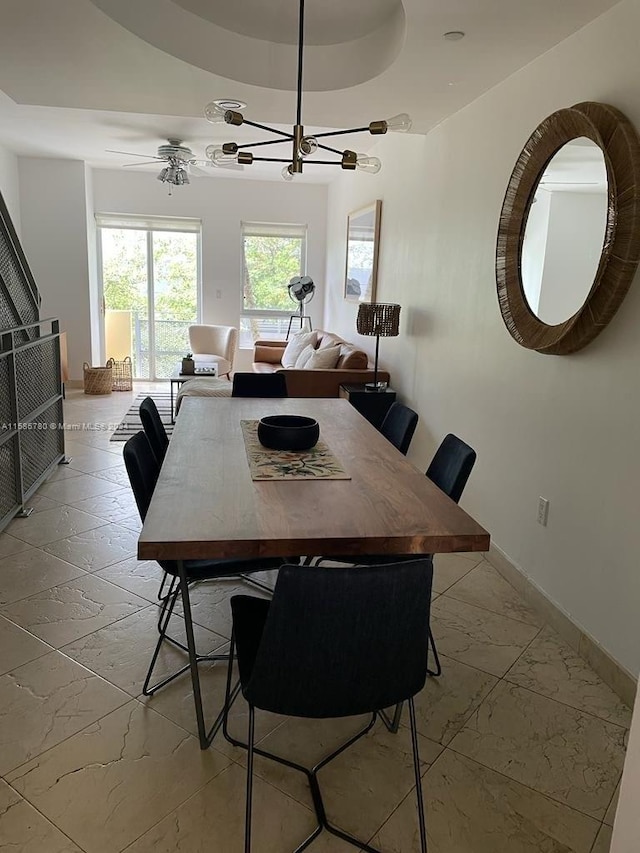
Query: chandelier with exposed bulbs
x=303 y=146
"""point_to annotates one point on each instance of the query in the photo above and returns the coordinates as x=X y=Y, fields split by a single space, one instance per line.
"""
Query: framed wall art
x=363 y=243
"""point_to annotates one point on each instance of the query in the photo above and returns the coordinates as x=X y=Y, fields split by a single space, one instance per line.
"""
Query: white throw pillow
x=304 y=357
x=295 y=346
x=323 y=359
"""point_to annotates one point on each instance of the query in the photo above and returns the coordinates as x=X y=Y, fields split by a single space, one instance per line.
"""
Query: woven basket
x=122 y=374
x=97 y=380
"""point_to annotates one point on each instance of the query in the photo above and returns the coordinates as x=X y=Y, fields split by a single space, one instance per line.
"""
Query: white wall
x=577 y=224
x=53 y=208
x=561 y=427
x=95 y=302
x=534 y=248
x=9 y=185
x=626 y=831
x=221 y=204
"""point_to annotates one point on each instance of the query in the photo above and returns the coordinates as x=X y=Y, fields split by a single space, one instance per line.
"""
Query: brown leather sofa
x=353 y=367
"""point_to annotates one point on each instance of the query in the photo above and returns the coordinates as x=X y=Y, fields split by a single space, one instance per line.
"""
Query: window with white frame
x=272 y=253
x=150 y=276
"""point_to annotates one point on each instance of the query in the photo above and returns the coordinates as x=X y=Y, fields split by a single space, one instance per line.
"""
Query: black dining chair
x=399 y=425
x=451 y=466
x=332 y=643
x=154 y=428
x=449 y=470
x=159 y=441
x=259 y=385
x=143 y=470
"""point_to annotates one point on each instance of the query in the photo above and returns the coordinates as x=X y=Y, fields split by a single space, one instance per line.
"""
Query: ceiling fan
x=180 y=162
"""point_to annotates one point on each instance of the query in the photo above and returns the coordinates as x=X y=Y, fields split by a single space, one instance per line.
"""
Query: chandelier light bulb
x=308 y=145
x=371 y=165
x=400 y=123
x=214 y=114
x=210 y=151
x=220 y=156
x=287 y=173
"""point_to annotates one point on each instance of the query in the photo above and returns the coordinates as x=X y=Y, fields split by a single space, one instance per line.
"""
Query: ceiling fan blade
x=131 y=154
x=146 y=163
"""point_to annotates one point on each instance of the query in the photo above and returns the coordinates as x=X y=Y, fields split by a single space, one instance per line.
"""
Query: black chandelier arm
x=268 y=142
x=327 y=148
x=300 y=49
x=342 y=132
x=267 y=128
x=306 y=161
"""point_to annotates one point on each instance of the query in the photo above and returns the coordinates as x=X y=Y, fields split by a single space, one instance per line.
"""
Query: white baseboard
x=610 y=671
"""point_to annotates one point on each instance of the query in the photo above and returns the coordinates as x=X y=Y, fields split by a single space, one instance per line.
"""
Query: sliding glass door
x=151 y=292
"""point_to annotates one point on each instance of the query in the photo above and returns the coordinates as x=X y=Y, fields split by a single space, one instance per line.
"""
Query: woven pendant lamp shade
x=382 y=320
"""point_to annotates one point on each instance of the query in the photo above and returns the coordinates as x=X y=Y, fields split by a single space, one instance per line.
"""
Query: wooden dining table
x=206 y=505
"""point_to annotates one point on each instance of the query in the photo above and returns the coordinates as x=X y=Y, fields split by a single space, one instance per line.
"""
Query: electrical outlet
x=543 y=511
x=218 y=294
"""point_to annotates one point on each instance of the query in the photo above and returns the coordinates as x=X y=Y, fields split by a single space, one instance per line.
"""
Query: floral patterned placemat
x=267 y=464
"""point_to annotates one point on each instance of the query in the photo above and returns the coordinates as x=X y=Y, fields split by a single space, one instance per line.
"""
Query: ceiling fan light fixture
x=174 y=174
x=303 y=146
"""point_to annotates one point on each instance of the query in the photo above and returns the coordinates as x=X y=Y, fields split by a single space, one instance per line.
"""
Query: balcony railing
x=128 y=333
x=172 y=339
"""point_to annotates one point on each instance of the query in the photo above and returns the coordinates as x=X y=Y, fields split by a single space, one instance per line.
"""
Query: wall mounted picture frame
x=363 y=246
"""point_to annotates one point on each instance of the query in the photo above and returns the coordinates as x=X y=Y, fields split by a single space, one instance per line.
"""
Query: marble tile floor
x=521 y=743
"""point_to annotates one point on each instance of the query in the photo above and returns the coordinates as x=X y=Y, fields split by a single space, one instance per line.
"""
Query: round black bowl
x=288 y=432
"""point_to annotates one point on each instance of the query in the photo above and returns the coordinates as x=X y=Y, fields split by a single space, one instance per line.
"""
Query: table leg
x=173 y=420
x=193 y=657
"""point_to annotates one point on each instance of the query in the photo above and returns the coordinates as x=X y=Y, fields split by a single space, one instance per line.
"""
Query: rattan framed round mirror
x=619 y=143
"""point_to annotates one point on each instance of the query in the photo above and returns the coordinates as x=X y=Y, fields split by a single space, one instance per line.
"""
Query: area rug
x=131 y=423
x=267 y=464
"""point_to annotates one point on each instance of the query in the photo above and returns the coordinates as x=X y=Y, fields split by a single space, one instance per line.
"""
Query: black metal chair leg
x=434 y=673
x=161 y=594
x=314 y=786
x=166 y=601
x=392 y=724
x=162 y=629
x=247 y=820
x=416 y=768
x=265 y=587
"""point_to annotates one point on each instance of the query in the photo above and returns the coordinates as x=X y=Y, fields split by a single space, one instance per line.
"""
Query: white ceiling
x=77 y=82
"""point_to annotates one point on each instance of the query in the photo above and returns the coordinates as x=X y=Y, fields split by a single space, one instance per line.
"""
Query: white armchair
x=214 y=345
